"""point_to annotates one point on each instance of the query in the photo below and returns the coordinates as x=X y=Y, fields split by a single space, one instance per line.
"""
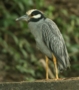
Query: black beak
x=24 y=17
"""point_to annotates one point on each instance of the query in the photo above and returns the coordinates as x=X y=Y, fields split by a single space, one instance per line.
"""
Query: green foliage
x=17 y=43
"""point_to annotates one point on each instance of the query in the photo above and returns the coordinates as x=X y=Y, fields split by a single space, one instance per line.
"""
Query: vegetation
x=17 y=45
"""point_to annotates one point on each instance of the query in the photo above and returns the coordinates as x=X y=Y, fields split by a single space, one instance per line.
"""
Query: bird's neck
x=35 y=28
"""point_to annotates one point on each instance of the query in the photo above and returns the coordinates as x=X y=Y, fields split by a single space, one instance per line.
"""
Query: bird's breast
x=35 y=29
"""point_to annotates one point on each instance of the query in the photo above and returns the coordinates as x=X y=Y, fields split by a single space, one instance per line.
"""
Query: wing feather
x=55 y=42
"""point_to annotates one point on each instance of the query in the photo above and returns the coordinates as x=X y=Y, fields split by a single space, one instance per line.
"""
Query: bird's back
x=53 y=39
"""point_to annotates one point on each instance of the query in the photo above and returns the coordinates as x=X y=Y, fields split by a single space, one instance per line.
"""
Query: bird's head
x=33 y=15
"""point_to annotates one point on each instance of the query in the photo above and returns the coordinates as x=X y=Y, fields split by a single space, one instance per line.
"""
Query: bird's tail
x=64 y=63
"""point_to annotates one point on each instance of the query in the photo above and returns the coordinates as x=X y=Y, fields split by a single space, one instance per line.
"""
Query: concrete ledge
x=65 y=84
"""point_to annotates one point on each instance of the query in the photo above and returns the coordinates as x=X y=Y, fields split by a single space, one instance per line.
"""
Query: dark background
x=19 y=58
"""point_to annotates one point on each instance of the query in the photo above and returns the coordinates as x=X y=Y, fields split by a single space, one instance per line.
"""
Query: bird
x=49 y=39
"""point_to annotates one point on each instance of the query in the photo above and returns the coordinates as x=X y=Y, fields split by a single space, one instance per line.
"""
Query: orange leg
x=46 y=67
x=55 y=64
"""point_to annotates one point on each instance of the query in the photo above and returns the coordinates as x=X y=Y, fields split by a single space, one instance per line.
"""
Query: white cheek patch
x=37 y=16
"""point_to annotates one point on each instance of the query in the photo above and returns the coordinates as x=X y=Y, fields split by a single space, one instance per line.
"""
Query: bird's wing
x=54 y=28
x=55 y=42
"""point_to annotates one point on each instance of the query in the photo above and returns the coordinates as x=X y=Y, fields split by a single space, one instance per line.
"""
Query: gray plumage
x=49 y=40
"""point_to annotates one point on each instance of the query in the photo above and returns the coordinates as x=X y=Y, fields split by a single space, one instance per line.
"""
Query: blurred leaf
x=16 y=41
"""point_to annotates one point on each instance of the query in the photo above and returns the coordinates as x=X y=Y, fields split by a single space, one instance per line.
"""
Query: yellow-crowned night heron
x=48 y=39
